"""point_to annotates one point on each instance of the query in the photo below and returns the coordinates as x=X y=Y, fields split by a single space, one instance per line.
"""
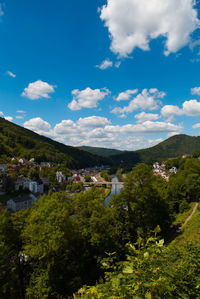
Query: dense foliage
x=57 y=246
x=100 y=151
x=150 y=271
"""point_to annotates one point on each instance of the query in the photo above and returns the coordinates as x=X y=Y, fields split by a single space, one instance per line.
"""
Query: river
x=114 y=190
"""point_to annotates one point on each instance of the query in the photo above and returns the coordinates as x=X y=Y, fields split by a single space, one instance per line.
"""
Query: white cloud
x=196 y=126
x=145 y=101
x=21 y=111
x=67 y=127
x=147 y=127
x=38 y=125
x=1 y=113
x=105 y=64
x=172 y=134
x=38 y=89
x=9 y=73
x=195 y=90
x=97 y=131
x=143 y=116
x=9 y=118
x=93 y=122
x=126 y=95
x=87 y=98
x=191 y=108
x=169 y=111
x=133 y=23
x=20 y=116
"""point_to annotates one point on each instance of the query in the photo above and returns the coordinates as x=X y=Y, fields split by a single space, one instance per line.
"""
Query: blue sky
x=118 y=74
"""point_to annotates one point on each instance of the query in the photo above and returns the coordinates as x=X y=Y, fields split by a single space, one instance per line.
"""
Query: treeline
x=56 y=247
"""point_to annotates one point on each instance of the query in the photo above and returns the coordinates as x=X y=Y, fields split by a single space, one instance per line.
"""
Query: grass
x=181 y=217
x=191 y=231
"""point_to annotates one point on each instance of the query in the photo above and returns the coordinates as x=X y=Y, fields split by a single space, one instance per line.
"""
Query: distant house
x=22 y=161
x=94 y=179
x=173 y=170
x=60 y=177
x=3 y=168
x=32 y=160
x=185 y=156
x=77 y=179
x=19 y=184
x=36 y=187
x=20 y=203
x=47 y=164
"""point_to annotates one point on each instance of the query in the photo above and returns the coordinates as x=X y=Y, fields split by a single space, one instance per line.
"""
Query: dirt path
x=178 y=230
x=189 y=217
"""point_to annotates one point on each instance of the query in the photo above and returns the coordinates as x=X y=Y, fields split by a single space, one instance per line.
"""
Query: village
x=22 y=182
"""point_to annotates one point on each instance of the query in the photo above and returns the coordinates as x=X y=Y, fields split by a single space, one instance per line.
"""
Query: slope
x=172 y=147
x=101 y=151
x=16 y=141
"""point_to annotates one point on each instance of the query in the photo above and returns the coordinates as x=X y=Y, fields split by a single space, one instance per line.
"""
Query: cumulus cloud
x=126 y=95
x=9 y=118
x=169 y=111
x=37 y=90
x=135 y=23
x=87 y=98
x=143 y=116
x=105 y=64
x=195 y=90
x=93 y=122
x=191 y=108
x=196 y=126
x=37 y=125
x=147 y=127
x=67 y=127
x=9 y=73
x=1 y=113
x=145 y=101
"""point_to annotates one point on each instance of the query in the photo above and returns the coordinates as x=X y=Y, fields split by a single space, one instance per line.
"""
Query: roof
x=21 y=198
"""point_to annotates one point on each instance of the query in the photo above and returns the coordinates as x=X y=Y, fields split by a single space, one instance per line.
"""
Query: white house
x=22 y=160
x=36 y=187
x=60 y=177
x=173 y=170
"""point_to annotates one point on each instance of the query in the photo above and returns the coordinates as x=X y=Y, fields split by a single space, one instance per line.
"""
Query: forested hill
x=174 y=146
x=16 y=141
x=101 y=151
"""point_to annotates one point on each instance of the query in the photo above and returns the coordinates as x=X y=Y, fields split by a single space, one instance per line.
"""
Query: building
x=173 y=170
x=22 y=160
x=20 y=203
x=3 y=168
x=36 y=187
x=60 y=177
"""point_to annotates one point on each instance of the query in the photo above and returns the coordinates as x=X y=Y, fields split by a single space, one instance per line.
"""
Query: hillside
x=174 y=146
x=16 y=141
x=101 y=151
